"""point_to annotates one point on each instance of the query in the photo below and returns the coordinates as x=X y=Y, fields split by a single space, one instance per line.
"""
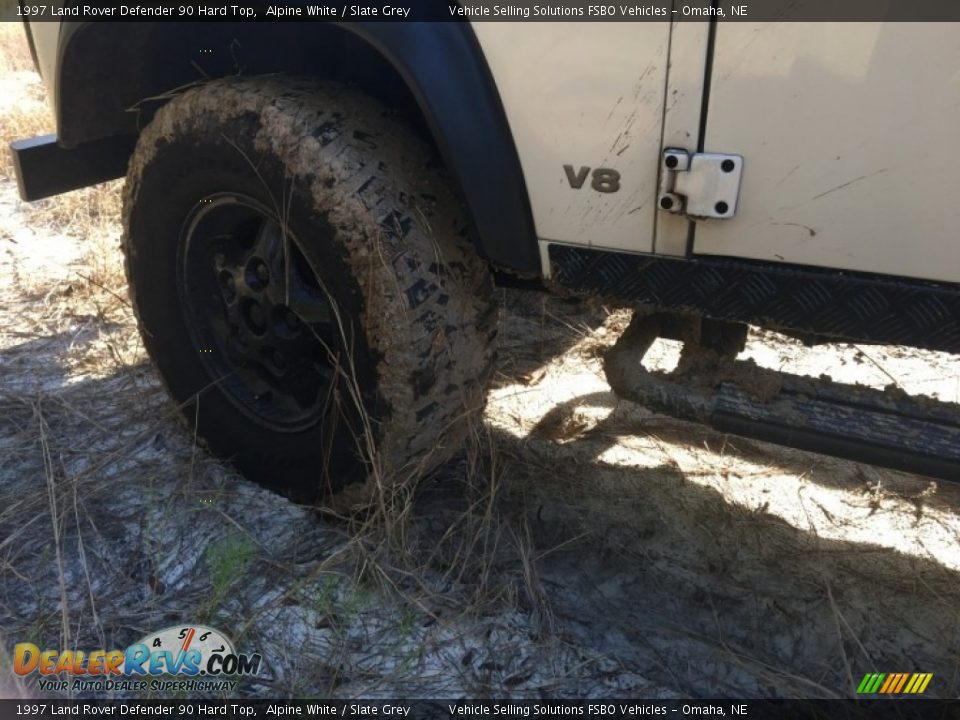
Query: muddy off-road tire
x=305 y=284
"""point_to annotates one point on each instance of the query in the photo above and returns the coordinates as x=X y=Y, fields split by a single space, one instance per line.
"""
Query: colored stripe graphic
x=894 y=683
x=914 y=683
x=891 y=678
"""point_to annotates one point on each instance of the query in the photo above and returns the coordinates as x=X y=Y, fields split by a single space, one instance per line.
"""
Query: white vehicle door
x=849 y=137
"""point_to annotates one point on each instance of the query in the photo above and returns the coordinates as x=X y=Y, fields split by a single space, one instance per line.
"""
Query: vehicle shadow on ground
x=668 y=579
x=645 y=572
x=624 y=420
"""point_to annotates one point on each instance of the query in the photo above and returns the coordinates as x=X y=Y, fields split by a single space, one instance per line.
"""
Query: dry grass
x=92 y=211
x=25 y=112
x=14 y=51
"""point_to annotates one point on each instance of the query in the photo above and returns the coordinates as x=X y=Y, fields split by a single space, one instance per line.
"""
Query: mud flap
x=44 y=168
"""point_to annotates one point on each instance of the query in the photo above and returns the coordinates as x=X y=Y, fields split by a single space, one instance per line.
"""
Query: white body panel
x=588 y=95
x=850 y=134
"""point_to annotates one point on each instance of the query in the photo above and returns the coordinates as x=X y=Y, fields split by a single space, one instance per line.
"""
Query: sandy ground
x=581 y=547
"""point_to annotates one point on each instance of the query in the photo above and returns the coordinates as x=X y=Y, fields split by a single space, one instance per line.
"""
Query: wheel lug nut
x=256 y=274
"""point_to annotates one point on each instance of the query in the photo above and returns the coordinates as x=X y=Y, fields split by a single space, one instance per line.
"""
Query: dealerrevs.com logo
x=192 y=657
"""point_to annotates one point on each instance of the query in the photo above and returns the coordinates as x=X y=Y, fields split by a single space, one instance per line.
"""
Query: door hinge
x=699 y=185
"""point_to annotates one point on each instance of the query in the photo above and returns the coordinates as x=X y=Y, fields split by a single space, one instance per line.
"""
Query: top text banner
x=495 y=11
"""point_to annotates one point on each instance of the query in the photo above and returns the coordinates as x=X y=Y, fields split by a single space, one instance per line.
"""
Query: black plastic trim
x=848 y=306
x=44 y=168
